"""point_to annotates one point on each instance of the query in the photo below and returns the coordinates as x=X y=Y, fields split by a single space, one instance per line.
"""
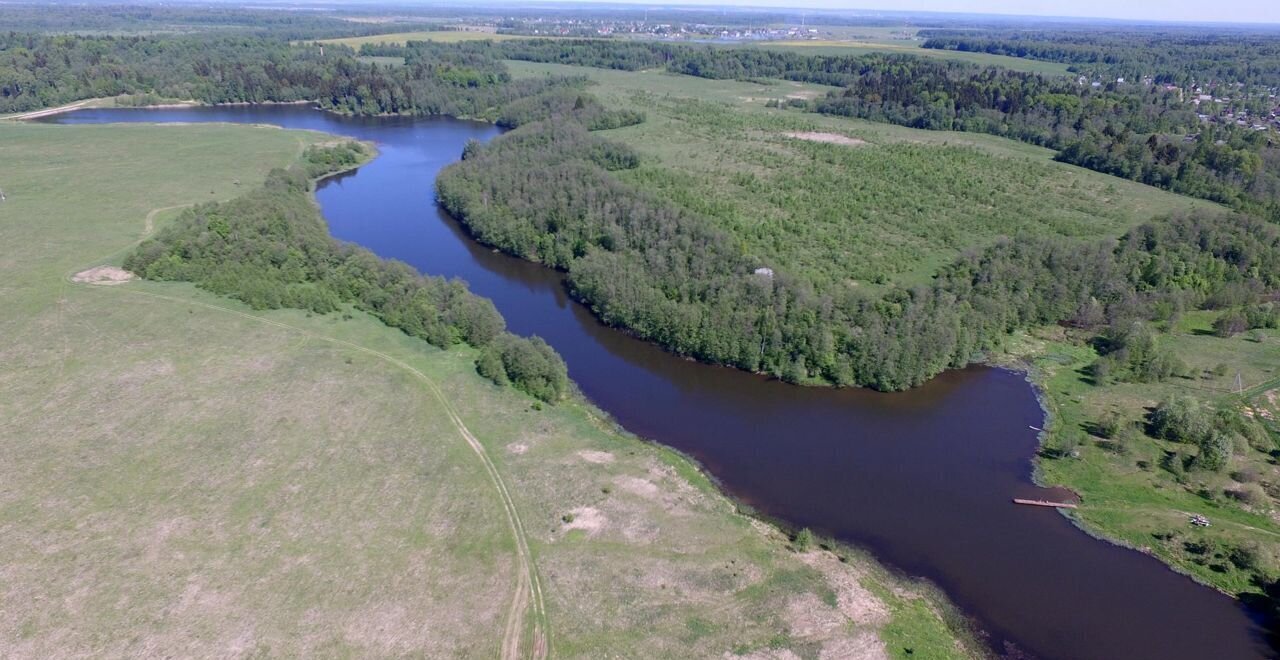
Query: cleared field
x=185 y=477
x=890 y=210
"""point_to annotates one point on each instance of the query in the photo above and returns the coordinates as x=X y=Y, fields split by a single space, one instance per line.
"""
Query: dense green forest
x=270 y=248
x=38 y=71
x=545 y=192
x=1178 y=56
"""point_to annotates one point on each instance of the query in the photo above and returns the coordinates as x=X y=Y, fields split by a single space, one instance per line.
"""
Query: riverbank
x=1130 y=494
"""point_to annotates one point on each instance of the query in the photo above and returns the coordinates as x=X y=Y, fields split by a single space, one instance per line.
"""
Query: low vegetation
x=1147 y=454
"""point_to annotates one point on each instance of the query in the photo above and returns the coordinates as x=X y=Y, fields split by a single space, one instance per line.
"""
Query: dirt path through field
x=528 y=589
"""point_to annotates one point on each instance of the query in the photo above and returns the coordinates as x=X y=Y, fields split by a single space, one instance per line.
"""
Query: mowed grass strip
x=184 y=476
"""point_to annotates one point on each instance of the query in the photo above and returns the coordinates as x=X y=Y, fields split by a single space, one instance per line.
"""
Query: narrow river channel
x=922 y=479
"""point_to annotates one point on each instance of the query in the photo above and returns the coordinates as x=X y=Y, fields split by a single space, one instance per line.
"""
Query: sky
x=1228 y=11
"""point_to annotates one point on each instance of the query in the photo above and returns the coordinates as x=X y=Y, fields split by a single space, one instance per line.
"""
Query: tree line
x=270 y=249
x=41 y=70
x=1166 y=56
x=545 y=192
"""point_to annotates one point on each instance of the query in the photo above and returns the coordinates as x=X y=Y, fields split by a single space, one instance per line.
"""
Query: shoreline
x=1023 y=366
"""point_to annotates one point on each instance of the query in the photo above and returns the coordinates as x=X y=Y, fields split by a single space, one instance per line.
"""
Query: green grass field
x=1128 y=495
x=892 y=209
x=185 y=477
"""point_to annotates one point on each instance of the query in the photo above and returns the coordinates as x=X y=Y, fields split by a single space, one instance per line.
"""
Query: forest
x=1168 y=55
x=39 y=71
x=270 y=249
x=546 y=192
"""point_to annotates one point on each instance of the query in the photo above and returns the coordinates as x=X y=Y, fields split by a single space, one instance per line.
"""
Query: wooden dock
x=1055 y=505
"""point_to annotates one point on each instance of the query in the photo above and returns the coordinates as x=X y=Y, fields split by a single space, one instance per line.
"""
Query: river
x=921 y=479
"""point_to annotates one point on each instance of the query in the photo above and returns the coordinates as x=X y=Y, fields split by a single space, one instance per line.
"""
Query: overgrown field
x=185 y=476
x=891 y=209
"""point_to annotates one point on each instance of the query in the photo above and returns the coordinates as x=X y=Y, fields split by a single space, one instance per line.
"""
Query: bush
x=1180 y=419
x=1215 y=451
x=1251 y=494
x=1231 y=323
x=803 y=540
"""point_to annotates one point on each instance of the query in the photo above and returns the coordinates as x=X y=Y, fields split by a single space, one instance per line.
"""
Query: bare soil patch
x=586 y=518
x=829 y=138
x=592 y=456
x=103 y=275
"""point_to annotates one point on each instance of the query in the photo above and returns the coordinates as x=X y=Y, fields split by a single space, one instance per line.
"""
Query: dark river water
x=922 y=479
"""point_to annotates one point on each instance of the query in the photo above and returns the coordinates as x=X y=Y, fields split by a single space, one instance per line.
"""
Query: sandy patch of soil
x=808 y=617
x=599 y=457
x=517 y=448
x=854 y=601
x=829 y=138
x=637 y=486
x=586 y=518
x=805 y=94
x=103 y=275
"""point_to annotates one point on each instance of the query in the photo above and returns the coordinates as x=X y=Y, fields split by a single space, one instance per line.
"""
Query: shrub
x=803 y=540
x=1180 y=419
x=1215 y=451
x=1232 y=322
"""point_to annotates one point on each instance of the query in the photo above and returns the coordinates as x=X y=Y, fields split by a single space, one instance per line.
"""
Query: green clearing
x=890 y=210
x=187 y=477
x=1128 y=493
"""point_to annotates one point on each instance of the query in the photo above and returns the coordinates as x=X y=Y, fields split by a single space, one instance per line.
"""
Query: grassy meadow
x=186 y=477
x=890 y=205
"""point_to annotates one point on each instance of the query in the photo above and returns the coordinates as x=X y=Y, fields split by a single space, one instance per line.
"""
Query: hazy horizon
x=1183 y=11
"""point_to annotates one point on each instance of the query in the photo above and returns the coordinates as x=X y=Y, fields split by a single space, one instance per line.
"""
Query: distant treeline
x=65 y=18
x=545 y=192
x=1174 y=56
x=39 y=71
x=270 y=248
x=1143 y=133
